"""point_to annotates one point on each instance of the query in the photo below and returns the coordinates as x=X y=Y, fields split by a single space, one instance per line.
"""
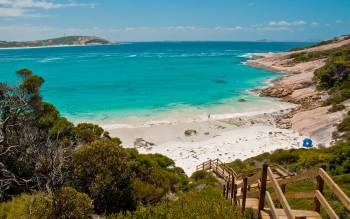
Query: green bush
x=200 y=178
x=87 y=133
x=34 y=206
x=206 y=204
x=157 y=173
x=336 y=108
x=101 y=170
x=344 y=126
x=68 y=203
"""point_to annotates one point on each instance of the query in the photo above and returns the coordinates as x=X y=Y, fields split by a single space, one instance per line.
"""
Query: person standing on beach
x=209 y=116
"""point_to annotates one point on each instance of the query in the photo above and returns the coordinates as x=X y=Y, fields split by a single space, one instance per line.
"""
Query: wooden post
x=203 y=166
x=224 y=190
x=210 y=164
x=244 y=193
x=235 y=194
x=227 y=187
x=232 y=187
x=320 y=185
x=263 y=187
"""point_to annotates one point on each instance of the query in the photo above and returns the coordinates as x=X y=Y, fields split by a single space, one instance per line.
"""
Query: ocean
x=130 y=80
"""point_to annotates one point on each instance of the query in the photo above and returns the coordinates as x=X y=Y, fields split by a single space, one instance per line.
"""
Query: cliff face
x=70 y=40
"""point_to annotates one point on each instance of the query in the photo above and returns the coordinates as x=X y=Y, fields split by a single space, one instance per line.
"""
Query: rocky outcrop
x=141 y=143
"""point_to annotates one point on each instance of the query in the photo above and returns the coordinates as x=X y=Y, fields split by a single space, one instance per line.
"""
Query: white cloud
x=286 y=23
x=314 y=24
x=339 y=21
x=12 y=12
x=19 y=8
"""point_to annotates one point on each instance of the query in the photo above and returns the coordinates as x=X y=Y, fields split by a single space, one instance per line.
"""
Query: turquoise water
x=140 y=78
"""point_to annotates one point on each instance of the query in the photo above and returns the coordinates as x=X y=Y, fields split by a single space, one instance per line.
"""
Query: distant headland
x=61 y=41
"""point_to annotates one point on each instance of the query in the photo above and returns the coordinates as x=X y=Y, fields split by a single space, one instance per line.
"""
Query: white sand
x=238 y=143
x=224 y=136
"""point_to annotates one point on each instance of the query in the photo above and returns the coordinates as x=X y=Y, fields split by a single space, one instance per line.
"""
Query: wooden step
x=265 y=214
x=250 y=203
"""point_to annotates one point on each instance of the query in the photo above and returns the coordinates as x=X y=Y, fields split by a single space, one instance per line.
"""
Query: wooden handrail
x=271 y=205
x=281 y=198
x=331 y=213
x=219 y=168
x=297 y=195
x=276 y=178
x=299 y=177
x=335 y=188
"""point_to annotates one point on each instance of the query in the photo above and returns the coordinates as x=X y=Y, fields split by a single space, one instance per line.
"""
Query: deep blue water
x=140 y=78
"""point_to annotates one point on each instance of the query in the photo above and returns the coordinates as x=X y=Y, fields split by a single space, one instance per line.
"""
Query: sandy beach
x=224 y=136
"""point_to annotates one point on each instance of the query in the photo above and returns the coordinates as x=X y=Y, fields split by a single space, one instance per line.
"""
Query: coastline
x=296 y=86
x=191 y=143
x=227 y=136
x=202 y=135
x=53 y=46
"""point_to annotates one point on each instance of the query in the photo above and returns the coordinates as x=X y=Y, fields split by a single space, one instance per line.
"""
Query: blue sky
x=157 y=20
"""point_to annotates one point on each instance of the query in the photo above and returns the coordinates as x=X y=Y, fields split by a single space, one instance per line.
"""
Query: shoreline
x=228 y=138
x=225 y=136
x=296 y=85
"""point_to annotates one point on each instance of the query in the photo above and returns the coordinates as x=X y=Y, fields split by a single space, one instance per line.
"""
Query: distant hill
x=69 y=40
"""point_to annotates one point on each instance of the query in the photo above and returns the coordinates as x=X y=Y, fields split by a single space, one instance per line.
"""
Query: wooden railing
x=280 y=196
x=219 y=168
x=239 y=187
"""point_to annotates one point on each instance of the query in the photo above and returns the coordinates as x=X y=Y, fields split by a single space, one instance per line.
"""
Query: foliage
x=241 y=166
x=27 y=206
x=206 y=204
x=101 y=170
x=87 y=133
x=343 y=129
x=336 y=108
x=32 y=154
x=68 y=203
x=203 y=179
x=336 y=158
x=155 y=176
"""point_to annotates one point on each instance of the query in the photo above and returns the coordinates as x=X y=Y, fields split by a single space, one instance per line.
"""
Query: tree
x=32 y=153
x=101 y=170
x=88 y=132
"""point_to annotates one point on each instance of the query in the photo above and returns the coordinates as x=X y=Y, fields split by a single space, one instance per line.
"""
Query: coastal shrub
x=207 y=203
x=241 y=166
x=155 y=172
x=284 y=156
x=101 y=170
x=69 y=203
x=203 y=179
x=88 y=132
x=344 y=126
x=336 y=108
x=38 y=205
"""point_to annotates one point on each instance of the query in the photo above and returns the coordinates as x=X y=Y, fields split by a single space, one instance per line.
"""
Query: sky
x=175 y=20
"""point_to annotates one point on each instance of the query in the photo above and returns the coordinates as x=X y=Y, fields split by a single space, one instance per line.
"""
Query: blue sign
x=307 y=143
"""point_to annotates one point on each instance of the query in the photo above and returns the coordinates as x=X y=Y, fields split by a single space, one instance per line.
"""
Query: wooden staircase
x=249 y=190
